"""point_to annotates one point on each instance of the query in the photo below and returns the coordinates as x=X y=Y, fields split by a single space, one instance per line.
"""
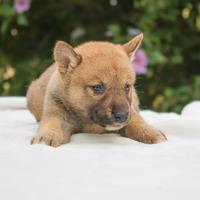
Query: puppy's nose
x=120 y=116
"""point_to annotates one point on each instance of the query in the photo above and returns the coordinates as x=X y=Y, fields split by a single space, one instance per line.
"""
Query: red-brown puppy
x=89 y=89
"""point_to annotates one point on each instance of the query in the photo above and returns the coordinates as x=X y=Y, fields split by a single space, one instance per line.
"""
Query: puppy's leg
x=139 y=130
x=52 y=132
x=54 y=128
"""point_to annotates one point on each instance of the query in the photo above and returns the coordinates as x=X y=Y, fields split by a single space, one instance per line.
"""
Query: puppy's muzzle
x=115 y=118
x=120 y=117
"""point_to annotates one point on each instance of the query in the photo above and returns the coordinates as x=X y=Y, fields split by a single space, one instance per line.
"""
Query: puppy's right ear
x=65 y=56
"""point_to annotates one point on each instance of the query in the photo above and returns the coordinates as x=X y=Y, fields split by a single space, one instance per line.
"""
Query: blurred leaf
x=5 y=24
x=22 y=20
x=6 y=10
x=6 y=87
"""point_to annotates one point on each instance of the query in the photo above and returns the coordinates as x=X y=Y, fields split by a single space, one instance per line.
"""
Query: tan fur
x=64 y=101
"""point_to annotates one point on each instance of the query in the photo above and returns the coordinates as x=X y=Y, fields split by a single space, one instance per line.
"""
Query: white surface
x=101 y=167
x=12 y=103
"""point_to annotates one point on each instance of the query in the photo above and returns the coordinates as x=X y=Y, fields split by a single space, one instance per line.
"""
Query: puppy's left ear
x=132 y=46
x=65 y=56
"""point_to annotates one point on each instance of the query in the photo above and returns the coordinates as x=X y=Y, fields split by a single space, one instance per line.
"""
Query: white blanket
x=100 y=167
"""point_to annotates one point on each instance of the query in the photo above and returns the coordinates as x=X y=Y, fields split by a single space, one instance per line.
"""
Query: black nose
x=120 y=116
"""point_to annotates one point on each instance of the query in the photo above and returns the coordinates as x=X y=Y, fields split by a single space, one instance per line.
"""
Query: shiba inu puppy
x=89 y=89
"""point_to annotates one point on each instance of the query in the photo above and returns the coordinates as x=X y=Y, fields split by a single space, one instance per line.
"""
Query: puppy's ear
x=65 y=56
x=132 y=46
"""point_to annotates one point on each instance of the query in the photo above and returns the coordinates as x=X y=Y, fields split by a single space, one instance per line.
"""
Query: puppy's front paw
x=147 y=135
x=51 y=139
x=154 y=137
x=139 y=130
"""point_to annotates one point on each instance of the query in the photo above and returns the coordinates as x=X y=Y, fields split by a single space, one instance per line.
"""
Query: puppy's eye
x=98 y=89
x=127 y=88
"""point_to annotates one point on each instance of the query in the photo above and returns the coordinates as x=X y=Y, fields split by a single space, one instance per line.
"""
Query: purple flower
x=140 y=62
x=21 y=6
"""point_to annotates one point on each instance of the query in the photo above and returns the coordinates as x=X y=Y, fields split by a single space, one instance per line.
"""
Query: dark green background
x=172 y=42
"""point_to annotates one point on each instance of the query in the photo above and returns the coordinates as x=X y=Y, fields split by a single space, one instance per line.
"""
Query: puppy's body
x=89 y=89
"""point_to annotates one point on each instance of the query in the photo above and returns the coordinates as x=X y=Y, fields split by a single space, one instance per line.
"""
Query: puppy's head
x=99 y=81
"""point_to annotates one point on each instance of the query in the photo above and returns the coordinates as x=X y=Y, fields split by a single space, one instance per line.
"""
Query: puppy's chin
x=113 y=128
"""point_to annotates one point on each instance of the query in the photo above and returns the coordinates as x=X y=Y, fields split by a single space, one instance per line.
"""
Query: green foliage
x=172 y=43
